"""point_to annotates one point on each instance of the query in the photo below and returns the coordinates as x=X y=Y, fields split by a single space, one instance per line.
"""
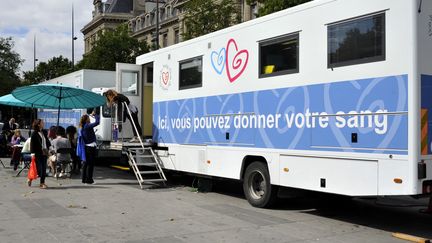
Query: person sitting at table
x=60 y=142
x=16 y=149
x=17 y=138
x=25 y=151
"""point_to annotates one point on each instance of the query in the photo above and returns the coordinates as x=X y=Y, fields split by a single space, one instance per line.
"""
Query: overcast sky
x=48 y=20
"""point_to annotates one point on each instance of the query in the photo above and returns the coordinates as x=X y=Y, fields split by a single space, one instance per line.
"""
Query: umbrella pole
x=31 y=119
x=58 y=111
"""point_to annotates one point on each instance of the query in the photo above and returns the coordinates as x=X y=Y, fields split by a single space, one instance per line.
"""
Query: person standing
x=39 y=145
x=71 y=135
x=113 y=97
x=89 y=138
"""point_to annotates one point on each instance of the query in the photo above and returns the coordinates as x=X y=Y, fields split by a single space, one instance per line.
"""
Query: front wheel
x=256 y=186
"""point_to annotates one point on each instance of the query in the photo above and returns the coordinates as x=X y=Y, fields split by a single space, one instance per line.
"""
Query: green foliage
x=55 y=67
x=111 y=47
x=271 y=6
x=203 y=17
x=10 y=62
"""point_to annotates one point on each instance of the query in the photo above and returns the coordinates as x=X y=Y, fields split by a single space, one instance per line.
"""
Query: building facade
x=140 y=15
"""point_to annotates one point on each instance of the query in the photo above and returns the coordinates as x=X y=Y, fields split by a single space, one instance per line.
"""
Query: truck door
x=129 y=83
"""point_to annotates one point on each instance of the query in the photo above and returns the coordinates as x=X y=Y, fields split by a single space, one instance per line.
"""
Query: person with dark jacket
x=9 y=128
x=113 y=97
x=39 y=145
x=89 y=138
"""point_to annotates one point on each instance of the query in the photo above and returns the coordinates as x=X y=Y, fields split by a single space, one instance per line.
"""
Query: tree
x=10 y=62
x=271 y=6
x=55 y=67
x=111 y=47
x=203 y=17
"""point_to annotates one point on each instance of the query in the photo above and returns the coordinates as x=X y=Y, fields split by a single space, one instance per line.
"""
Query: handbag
x=32 y=172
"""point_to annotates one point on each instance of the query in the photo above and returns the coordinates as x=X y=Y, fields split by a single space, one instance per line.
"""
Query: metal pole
x=157 y=24
x=34 y=53
x=73 y=39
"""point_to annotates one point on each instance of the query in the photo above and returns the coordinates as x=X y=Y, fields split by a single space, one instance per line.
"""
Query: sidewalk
x=117 y=210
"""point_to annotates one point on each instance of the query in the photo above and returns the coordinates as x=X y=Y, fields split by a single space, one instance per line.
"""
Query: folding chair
x=26 y=160
x=65 y=163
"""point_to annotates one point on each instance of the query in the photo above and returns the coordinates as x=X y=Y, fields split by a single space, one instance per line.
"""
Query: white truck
x=330 y=96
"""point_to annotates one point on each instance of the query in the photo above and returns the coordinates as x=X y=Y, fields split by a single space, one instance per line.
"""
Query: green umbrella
x=58 y=96
x=12 y=101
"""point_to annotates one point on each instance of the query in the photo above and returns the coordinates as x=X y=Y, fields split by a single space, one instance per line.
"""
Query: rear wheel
x=256 y=186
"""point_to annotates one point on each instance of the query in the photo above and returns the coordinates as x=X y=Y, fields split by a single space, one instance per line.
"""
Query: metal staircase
x=139 y=157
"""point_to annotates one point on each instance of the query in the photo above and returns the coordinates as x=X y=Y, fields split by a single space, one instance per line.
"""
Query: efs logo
x=231 y=59
x=165 y=77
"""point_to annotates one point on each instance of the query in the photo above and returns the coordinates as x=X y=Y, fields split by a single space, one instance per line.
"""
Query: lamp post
x=73 y=39
x=34 y=53
x=157 y=24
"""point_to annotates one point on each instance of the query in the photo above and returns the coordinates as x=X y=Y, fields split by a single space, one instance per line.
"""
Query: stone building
x=140 y=16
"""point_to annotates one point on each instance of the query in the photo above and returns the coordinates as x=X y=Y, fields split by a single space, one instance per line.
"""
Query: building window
x=253 y=11
x=168 y=11
x=176 y=36
x=165 y=40
x=191 y=73
x=279 y=55
x=361 y=40
x=129 y=82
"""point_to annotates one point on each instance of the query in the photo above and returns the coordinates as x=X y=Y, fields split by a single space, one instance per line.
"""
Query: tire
x=256 y=186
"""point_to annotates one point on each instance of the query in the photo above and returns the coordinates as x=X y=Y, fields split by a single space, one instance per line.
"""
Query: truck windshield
x=106 y=111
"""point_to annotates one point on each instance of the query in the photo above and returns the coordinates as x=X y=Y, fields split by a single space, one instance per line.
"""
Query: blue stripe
x=294 y=118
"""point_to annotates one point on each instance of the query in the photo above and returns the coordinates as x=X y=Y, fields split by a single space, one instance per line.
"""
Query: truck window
x=356 y=41
x=191 y=73
x=129 y=83
x=279 y=55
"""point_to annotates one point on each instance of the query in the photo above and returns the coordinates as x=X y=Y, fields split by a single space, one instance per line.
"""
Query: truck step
x=149 y=172
x=152 y=180
x=143 y=156
x=146 y=164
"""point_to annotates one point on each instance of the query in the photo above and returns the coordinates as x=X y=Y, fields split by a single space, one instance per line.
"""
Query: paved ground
x=116 y=210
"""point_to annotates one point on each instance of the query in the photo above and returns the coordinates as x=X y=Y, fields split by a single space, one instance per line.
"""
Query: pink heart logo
x=165 y=77
x=237 y=64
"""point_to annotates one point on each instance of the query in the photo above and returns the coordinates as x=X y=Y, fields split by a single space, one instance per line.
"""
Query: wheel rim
x=257 y=185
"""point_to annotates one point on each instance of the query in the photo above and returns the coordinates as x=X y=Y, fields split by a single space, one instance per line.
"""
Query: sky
x=50 y=21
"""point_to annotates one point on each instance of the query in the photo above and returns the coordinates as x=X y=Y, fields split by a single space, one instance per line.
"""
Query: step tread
x=149 y=172
x=152 y=180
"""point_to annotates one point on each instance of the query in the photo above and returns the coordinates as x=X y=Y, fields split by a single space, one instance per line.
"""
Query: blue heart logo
x=218 y=60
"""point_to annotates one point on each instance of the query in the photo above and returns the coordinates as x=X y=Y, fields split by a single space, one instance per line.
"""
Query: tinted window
x=279 y=56
x=191 y=73
x=357 y=41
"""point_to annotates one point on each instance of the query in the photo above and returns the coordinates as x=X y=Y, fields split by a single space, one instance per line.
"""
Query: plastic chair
x=65 y=163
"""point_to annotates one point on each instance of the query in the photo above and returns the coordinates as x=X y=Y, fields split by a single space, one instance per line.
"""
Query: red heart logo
x=165 y=77
x=236 y=65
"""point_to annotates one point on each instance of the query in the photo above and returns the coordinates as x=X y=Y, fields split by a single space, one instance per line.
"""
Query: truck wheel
x=256 y=186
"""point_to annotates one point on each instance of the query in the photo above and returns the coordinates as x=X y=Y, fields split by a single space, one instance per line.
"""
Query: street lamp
x=157 y=22
x=74 y=38
x=34 y=53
